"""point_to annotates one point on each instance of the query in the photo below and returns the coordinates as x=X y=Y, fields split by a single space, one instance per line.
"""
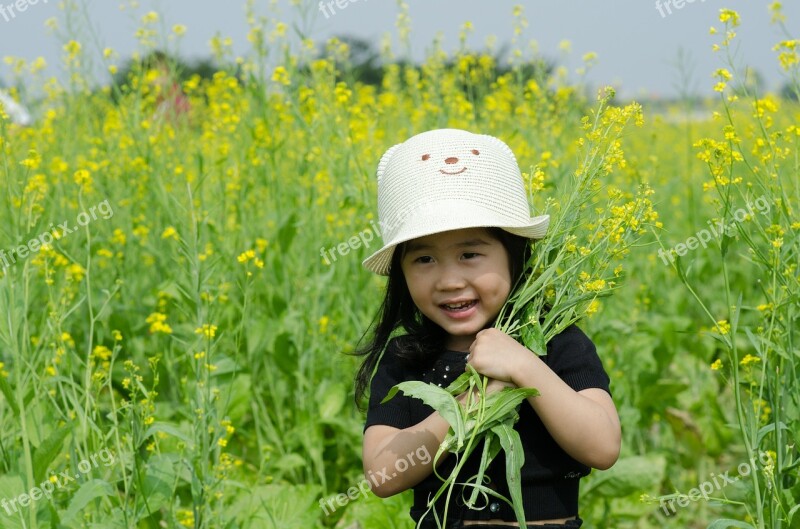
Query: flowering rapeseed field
x=181 y=282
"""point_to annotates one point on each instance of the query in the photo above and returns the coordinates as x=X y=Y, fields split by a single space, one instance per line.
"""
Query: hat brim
x=436 y=218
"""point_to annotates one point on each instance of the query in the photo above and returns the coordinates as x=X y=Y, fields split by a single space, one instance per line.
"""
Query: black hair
x=422 y=339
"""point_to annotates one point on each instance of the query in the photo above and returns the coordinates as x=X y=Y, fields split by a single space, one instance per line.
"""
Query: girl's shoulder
x=571 y=340
x=571 y=333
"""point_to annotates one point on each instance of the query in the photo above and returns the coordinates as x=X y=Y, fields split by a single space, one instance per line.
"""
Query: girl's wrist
x=523 y=367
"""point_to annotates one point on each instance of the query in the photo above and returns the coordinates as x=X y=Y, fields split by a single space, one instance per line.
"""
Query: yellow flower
x=157 y=323
x=593 y=307
x=102 y=352
x=75 y=272
x=749 y=359
x=724 y=326
x=723 y=74
x=170 y=233
x=208 y=330
x=596 y=285
x=119 y=237
x=83 y=177
x=179 y=29
x=729 y=15
x=67 y=339
x=246 y=256
x=717 y=365
x=281 y=76
x=73 y=48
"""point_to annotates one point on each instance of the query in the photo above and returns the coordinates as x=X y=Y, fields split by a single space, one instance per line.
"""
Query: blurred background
x=188 y=189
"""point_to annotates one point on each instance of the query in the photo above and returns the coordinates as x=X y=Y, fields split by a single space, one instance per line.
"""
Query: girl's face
x=459 y=279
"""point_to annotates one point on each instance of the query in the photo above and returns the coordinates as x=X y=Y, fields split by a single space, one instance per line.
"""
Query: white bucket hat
x=449 y=179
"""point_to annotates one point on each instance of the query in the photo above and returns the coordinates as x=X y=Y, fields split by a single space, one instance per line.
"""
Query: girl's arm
x=397 y=459
x=417 y=445
x=584 y=423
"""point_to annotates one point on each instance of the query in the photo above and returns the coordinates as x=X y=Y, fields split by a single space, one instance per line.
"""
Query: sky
x=637 y=42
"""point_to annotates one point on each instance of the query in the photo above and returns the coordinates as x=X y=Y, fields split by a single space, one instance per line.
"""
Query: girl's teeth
x=460 y=305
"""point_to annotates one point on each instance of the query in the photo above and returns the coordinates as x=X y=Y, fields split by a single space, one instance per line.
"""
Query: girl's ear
x=387 y=156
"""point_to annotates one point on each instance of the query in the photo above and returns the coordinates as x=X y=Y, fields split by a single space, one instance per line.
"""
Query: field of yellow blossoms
x=180 y=284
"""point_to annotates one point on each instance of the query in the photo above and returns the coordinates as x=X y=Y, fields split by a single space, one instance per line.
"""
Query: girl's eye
x=423 y=259
x=470 y=255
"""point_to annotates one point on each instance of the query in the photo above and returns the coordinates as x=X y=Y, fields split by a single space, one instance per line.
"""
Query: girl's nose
x=451 y=160
x=450 y=279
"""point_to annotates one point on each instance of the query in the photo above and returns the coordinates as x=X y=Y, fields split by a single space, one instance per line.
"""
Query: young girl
x=457 y=229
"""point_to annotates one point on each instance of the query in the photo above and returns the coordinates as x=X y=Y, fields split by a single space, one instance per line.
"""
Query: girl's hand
x=498 y=356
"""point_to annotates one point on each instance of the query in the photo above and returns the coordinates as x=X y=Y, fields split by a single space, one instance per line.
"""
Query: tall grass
x=199 y=336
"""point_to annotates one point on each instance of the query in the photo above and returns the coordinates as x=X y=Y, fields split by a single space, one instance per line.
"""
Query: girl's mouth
x=462 y=309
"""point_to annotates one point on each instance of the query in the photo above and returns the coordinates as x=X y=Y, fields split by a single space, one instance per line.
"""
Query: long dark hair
x=422 y=338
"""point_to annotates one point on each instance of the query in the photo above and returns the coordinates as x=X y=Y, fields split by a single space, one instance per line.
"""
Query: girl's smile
x=459 y=279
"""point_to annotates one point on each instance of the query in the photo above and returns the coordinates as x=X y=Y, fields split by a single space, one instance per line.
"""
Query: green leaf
x=168 y=429
x=723 y=523
x=502 y=402
x=157 y=485
x=331 y=399
x=45 y=453
x=287 y=232
x=515 y=458
x=290 y=462
x=628 y=475
x=435 y=397
x=279 y=506
x=284 y=354
x=460 y=384
x=96 y=488
x=726 y=241
x=491 y=447
x=5 y=388
x=532 y=337
x=11 y=486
